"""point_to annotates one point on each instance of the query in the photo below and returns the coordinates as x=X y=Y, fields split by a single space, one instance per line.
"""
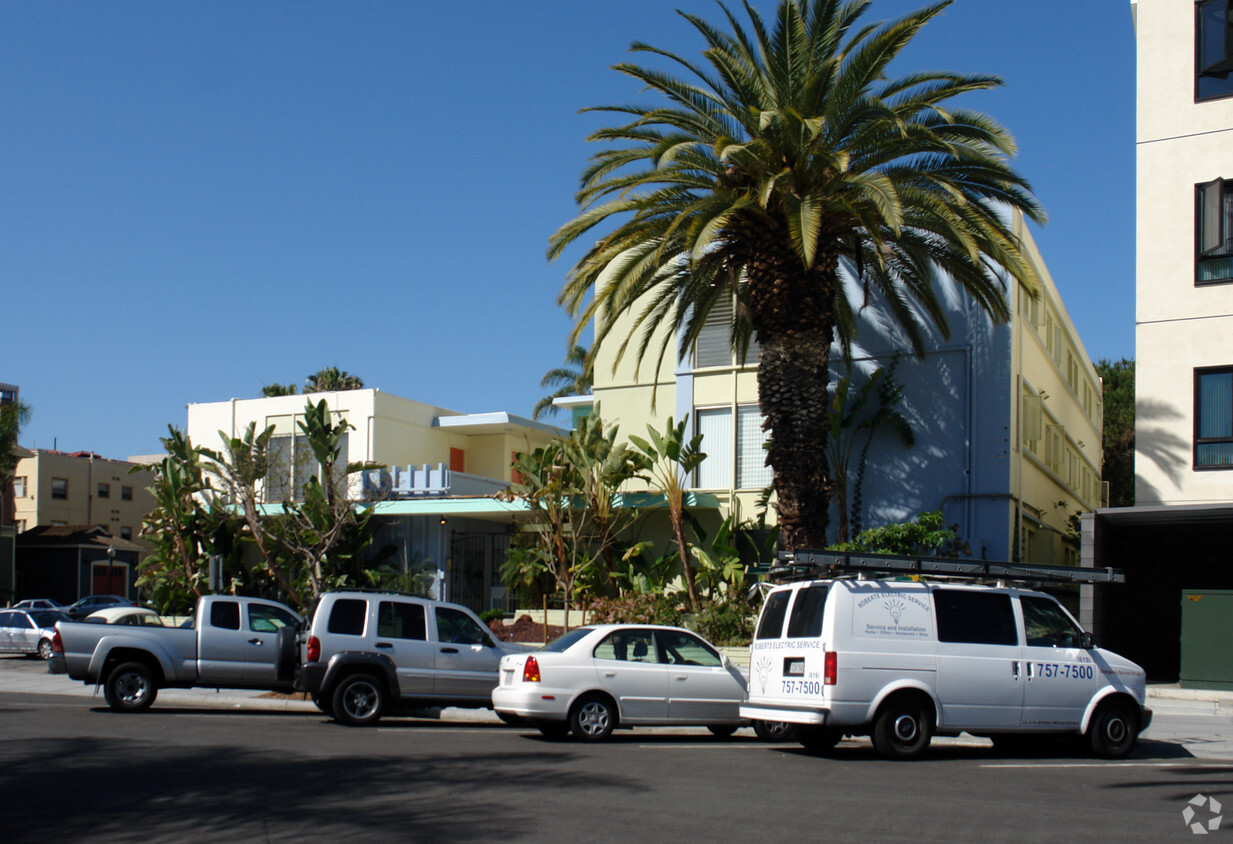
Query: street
x=71 y=769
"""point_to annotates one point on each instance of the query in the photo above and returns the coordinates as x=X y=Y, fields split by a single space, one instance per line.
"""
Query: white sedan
x=594 y=679
x=133 y=616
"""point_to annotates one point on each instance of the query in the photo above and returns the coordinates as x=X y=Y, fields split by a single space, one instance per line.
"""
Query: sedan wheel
x=45 y=649
x=593 y=719
x=774 y=730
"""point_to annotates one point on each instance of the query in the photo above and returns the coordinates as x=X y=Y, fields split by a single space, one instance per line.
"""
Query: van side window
x=1046 y=624
x=806 y=618
x=770 y=626
x=979 y=618
x=347 y=617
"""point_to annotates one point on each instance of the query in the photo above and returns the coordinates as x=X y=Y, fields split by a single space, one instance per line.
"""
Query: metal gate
x=468 y=558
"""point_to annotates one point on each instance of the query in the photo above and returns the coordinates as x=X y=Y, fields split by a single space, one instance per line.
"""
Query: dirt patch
x=524 y=629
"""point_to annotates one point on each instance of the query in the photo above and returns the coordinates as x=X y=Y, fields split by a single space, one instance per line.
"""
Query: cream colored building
x=435 y=499
x=1007 y=422
x=1184 y=272
x=80 y=488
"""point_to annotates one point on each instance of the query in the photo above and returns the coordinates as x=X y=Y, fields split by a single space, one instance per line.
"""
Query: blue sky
x=198 y=199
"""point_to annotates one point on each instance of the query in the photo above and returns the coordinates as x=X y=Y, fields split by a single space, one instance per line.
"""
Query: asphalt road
x=71 y=770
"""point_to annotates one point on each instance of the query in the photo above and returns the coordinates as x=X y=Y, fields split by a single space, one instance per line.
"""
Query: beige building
x=80 y=488
x=1184 y=295
x=435 y=499
x=1007 y=421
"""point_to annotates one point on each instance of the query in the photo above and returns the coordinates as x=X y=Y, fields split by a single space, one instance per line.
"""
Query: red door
x=110 y=580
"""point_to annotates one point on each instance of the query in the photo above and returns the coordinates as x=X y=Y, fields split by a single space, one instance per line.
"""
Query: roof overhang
x=1149 y=515
x=499 y=422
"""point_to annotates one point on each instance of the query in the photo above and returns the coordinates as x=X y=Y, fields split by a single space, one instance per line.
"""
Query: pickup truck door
x=222 y=645
x=263 y=621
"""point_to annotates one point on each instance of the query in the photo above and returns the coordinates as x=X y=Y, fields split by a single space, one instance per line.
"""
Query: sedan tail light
x=314 y=649
x=530 y=671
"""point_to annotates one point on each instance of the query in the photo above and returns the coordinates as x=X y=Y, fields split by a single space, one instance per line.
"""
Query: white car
x=594 y=679
x=133 y=616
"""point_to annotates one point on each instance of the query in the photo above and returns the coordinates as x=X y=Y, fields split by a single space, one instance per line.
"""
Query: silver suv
x=367 y=654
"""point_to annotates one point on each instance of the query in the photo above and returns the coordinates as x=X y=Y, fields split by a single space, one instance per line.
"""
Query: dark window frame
x=61 y=494
x=1198 y=418
x=1213 y=231
x=1222 y=66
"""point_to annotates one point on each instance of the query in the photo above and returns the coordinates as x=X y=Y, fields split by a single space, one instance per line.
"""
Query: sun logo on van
x=895 y=607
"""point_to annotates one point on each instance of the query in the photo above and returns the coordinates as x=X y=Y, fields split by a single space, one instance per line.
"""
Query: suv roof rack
x=806 y=564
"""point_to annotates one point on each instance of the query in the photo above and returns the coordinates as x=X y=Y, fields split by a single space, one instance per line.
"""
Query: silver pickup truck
x=232 y=644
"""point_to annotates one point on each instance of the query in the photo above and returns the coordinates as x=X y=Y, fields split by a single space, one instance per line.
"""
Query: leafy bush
x=723 y=623
x=928 y=535
x=489 y=616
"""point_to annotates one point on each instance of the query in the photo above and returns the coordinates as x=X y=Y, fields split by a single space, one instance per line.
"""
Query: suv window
x=770 y=626
x=806 y=618
x=347 y=617
x=1046 y=624
x=225 y=614
x=459 y=628
x=401 y=620
x=978 y=618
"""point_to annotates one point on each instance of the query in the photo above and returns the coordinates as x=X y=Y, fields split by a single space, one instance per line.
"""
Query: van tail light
x=57 y=644
x=830 y=668
x=314 y=649
x=530 y=671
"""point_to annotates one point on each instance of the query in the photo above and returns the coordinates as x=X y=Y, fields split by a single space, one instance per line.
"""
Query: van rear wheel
x=903 y=729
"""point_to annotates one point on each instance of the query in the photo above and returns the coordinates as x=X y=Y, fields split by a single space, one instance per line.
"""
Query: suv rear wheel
x=359 y=701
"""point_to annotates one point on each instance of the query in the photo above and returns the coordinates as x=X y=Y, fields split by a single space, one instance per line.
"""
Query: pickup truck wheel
x=130 y=687
x=45 y=649
x=286 y=654
x=359 y=701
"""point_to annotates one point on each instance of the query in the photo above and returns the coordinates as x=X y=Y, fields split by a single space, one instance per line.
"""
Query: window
x=717 y=471
x=126 y=532
x=126 y=493
x=1032 y=423
x=19 y=487
x=1213 y=232
x=770 y=625
x=104 y=490
x=1213 y=418
x=714 y=344
x=628 y=646
x=980 y=618
x=400 y=620
x=59 y=488
x=225 y=614
x=806 y=619
x=1213 y=57
x=682 y=648
x=1046 y=624
x=348 y=616
x=266 y=618
x=459 y=628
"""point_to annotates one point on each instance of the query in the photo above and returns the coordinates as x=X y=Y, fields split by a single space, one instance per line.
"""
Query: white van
x=904 y=660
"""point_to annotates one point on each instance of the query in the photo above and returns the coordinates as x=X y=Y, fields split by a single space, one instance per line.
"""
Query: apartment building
x=58 y=488
x=1006 y=418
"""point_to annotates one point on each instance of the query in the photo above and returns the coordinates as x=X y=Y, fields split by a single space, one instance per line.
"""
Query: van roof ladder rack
x=806 y=564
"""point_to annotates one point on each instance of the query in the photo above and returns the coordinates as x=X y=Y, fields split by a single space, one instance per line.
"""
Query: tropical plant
x=14 y=415
x=332 y=379
x=791 y=160
x=573 y=379
x=927 y=536
x=671 y=460
x=275 y=390
x=853 y=415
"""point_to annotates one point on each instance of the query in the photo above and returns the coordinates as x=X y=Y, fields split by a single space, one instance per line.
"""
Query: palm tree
x=573 y=379
x=331 y=379
x=275 y=390
x=791 y=161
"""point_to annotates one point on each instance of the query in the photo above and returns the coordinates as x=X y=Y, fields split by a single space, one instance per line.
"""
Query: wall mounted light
x=443 y=520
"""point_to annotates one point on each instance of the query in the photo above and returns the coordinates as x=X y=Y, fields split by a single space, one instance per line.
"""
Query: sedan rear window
x=566 y=640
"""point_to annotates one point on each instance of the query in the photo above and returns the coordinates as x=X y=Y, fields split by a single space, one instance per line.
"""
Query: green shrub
x=723 y=623
x=489 y=616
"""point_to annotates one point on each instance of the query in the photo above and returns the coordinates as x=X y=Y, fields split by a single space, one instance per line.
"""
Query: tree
x=672 y=460
x=332 y=379
x=791 y=161
x=274 y=390
x=1119 y=430
x=573 y=379
x=14 y=415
